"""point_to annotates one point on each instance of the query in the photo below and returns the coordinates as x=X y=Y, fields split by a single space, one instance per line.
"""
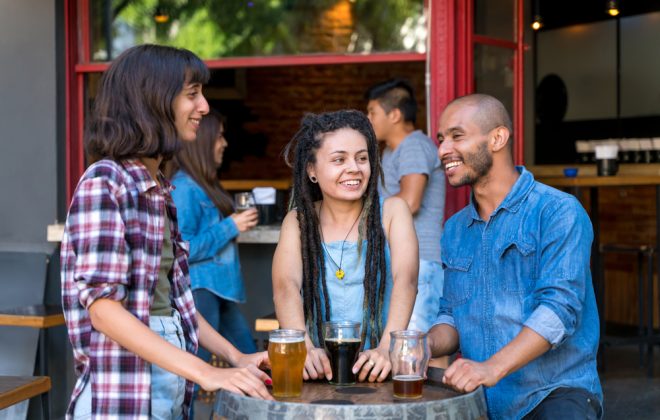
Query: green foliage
x=223 y=28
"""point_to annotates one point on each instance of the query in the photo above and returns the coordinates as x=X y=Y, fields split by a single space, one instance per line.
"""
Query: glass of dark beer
x=409 y=354
x=342 y=342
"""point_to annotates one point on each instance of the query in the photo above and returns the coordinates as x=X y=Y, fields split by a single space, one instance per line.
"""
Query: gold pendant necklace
x=340 y=273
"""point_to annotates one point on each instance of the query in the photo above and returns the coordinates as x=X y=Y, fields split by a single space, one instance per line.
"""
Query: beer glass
x=342 y=342
x=287 y=353
x=243 y=201
x=409 y=354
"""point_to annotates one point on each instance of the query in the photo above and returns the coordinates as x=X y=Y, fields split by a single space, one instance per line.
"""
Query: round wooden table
x=360 y=401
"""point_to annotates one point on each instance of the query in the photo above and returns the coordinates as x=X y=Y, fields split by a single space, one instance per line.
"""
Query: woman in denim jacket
x=208 y=222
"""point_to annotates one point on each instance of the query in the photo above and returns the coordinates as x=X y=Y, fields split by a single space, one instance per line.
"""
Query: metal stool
x=645 y=306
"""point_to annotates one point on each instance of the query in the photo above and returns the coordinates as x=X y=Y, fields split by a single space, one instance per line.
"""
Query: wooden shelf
x=248 y=184
x=14 y=389
x=600 y=181
x=35 y=316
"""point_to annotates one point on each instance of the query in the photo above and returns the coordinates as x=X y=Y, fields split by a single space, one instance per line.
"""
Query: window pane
x=494 y=18
x=234 y=28
x=493 y=73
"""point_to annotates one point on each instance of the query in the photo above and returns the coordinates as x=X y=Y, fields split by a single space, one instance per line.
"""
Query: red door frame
x=452 y=41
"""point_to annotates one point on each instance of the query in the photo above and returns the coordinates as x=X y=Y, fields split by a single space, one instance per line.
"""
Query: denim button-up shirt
x=528 y=265
x=214 y=261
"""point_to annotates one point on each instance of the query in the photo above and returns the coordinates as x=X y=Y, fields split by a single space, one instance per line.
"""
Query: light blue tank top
x=347 y=295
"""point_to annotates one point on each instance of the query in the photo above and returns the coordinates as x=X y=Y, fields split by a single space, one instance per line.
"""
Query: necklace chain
x=340 y=272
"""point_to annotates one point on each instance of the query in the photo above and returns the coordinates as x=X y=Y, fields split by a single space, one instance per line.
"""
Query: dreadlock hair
x=299 y=154
x=196 y=158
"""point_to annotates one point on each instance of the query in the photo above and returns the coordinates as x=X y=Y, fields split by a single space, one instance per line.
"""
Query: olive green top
x=161 y=305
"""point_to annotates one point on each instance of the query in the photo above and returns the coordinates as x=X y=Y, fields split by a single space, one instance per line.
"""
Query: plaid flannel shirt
x=111 y=250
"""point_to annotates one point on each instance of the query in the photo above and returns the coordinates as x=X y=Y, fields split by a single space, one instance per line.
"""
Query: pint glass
x=342 y=342
x=287 y=353
x=409 y=354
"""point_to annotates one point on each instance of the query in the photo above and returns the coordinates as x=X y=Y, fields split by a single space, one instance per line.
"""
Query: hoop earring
x=313 y=179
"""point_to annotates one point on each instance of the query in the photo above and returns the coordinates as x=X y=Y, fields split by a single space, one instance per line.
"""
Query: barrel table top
x=360 y=401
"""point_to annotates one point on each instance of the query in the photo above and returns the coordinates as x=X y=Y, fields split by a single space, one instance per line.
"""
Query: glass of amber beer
x=342 y=342
x=409 y=354
x=287 y=353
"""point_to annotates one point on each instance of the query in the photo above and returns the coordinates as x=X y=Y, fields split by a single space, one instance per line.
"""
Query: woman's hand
x=317 y=364
x=246 y=220
x=375 y=363
x=255 y=362
x=240 y=381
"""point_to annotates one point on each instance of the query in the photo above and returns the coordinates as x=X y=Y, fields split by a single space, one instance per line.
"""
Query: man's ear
x=499 y=138
x=395 y=116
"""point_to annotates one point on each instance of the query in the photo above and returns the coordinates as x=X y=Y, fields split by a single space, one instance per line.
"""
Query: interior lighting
x=537 y=23
x=612 y=8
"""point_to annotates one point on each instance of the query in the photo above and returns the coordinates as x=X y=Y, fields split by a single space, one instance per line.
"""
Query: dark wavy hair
x=395 y=94
x=301 y=152
x=197 y=159
x=132 y=115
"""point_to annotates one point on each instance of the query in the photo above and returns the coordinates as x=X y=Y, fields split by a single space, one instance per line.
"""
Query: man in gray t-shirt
x=412 y=171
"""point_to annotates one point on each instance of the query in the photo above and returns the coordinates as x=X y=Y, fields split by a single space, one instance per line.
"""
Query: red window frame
x=78 y=65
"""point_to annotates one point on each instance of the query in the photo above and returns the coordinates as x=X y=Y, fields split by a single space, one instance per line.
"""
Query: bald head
x=489 y=112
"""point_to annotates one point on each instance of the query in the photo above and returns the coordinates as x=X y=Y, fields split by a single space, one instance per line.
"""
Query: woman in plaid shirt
x=125 y=286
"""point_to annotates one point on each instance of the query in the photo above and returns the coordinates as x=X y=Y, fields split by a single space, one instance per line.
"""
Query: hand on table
x=246 y=220
x=240 y=381
x=317 y=364
x=254 y=362
x=375 y=363
x=466 y=375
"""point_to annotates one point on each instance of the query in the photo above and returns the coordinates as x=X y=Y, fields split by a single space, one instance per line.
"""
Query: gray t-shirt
x=417 y=154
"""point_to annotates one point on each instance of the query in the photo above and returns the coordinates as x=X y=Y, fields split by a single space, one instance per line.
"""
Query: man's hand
x=466 y=375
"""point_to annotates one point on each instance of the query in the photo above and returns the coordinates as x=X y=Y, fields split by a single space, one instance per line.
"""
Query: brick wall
x=277 y=98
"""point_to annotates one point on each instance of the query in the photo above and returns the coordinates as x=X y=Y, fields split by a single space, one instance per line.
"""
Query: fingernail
x=269 y=381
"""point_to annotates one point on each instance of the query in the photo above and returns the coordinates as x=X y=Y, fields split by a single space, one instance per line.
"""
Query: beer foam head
x=286 y=336
x=286 y=339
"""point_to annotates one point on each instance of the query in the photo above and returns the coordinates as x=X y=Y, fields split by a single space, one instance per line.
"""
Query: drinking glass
x=287 y=353
x=243 y=201
x=409 y=354
x=342 y=342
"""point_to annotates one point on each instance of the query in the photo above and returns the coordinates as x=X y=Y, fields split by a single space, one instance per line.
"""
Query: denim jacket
x=214 y=262
x=528 y=265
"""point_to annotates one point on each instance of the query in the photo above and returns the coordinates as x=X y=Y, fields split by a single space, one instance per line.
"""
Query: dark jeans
x=567 y=404
x=225 y=317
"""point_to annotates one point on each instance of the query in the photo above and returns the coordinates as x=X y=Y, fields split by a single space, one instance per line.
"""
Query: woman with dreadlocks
x=343 y=254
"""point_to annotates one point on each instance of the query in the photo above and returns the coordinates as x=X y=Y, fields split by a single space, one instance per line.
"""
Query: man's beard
x=478 y=165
